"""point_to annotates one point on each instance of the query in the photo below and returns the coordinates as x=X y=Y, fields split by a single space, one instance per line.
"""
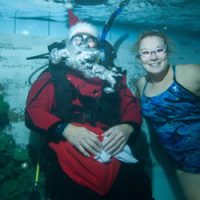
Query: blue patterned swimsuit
x=175 y=117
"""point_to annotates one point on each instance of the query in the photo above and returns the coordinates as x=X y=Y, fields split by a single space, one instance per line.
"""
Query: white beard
x=84 y=60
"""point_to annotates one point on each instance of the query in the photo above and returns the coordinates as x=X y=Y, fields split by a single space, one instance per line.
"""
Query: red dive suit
x=86 y=171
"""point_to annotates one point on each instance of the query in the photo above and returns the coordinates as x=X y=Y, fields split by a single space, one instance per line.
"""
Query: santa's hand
x=116 y=138
x=84 y=140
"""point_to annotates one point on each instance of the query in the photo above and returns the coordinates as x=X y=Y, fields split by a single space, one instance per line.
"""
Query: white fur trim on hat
x=82 y=27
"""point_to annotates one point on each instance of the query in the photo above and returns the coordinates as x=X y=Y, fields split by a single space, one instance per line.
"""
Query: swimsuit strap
x=174 y=72
x=145 y=86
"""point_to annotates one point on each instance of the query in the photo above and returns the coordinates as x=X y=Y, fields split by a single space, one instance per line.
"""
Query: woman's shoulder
x=188 y=67
x=188 y=76
x=188 y=70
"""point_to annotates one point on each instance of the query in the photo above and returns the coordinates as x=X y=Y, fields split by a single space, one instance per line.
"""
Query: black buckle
x=84 y=116
x=88 y=116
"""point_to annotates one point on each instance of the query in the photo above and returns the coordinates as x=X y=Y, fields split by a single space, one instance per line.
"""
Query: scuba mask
x=84 y=40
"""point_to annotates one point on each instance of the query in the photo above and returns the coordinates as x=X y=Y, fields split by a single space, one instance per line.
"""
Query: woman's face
x=153 y=54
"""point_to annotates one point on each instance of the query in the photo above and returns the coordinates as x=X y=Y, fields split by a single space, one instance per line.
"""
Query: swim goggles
x=158 y=51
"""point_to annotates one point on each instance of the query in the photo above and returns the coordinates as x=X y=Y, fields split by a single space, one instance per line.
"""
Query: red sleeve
x=130 y=109
x=39 y=103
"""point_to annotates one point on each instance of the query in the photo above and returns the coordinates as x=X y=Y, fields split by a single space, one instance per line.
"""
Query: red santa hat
x=72 y=18
x=76 y=26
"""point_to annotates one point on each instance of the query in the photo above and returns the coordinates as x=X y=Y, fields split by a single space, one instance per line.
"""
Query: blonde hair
x=143 y=35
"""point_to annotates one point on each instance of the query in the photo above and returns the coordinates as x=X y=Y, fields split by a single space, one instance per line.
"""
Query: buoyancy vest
x=91 y=109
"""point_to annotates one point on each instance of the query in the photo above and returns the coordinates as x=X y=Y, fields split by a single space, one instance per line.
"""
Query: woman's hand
x=116 y=137
x=84 y=140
